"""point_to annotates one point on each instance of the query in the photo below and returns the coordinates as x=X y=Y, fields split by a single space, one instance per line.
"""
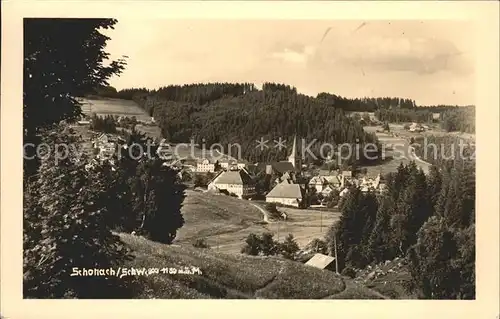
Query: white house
x=344 y=192
x=105 y=146
x=318 y=182
x=286 y=194
x=205 y=165
x=234 y=182
x=231 y=164
x=327 y=190
x=416 y=127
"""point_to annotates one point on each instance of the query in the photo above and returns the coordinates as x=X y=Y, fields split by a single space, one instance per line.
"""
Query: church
x=292 y=165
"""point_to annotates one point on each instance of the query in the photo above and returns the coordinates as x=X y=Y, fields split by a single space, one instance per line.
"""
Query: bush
x=261 y=245
x=201 y=243
x=268 y=246
x=348 y=272
x=252 y=245
x=319 y=246
x=289 y=247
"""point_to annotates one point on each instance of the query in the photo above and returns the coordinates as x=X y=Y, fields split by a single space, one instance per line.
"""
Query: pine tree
x=158 y=199
x=289 y=247
x=380 y=238
x=434 y=185
x=431 y=261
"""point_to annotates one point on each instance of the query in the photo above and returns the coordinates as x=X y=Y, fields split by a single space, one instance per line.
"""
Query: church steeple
x=294 y=158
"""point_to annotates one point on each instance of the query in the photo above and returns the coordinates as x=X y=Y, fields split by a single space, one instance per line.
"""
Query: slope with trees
x=426 y=220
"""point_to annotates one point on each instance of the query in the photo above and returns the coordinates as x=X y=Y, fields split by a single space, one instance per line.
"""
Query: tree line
x=404 y=115
x=459 y=119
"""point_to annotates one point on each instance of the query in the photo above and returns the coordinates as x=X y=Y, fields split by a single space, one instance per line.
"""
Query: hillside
x=225 y=222
x=102 y=106
x=226 y=276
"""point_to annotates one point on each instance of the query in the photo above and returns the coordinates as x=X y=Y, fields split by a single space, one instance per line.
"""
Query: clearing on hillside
x=397 y=150
x=119 y=107
x=225 y=222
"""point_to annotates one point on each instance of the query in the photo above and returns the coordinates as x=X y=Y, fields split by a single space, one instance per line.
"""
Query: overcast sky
x=431 y=62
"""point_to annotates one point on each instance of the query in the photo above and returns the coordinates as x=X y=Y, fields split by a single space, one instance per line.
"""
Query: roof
x=280 y=167
x=347 y=173
x=317 y=180
x=209 y=160
x=326 y=188
x=332 y=179
x=344 y=191
x=320 y=261
x=324 y=172
x=233 y=177
x=285 y=190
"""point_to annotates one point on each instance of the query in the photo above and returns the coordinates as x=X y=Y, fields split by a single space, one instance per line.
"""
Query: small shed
x=322 y=262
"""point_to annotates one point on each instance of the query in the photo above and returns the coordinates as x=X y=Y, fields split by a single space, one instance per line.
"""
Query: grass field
x=118 y=107
x=225 y=222
x=397 y=150
x=226 y=276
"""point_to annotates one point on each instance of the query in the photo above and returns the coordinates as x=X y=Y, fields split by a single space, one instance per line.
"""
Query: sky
x=431 y=62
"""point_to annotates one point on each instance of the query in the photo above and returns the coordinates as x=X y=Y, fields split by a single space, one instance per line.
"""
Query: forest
x=427 y=219
x=239 y=113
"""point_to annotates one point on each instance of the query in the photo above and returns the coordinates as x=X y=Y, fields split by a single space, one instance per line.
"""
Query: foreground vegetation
x=234 y=276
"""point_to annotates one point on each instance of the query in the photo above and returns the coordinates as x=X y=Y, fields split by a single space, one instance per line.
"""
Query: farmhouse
x=286 y=194
x=234 y=182
x=205 y=165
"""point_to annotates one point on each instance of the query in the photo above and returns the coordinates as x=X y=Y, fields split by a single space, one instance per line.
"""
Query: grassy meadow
x=234 y=276
x=225 y=222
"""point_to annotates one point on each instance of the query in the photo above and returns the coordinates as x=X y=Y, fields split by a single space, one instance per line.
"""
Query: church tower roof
x=294 y=158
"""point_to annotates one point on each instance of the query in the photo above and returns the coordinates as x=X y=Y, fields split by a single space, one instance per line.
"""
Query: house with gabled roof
x=286 y=194
x=318 y=183
x=205 y=165
x=237 y=182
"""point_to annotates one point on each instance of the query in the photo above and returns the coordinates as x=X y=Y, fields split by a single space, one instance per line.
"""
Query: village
x=292 y=183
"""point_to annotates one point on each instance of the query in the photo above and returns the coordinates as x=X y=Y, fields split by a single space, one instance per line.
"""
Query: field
x=396 y=149
x=226 y=276
x=224 y=222
x=118 y=107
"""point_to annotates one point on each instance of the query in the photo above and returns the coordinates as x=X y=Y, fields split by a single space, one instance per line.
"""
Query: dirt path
x=263 y=211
